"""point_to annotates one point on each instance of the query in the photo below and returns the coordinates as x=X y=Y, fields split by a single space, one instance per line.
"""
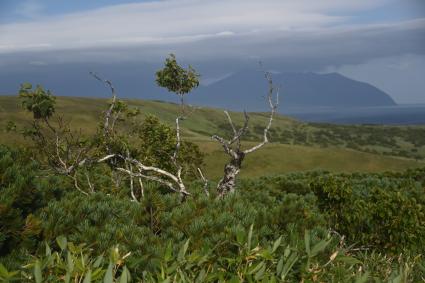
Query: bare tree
x=66 y=151
x=135 y=168
x=180 y=81
x=232 y=146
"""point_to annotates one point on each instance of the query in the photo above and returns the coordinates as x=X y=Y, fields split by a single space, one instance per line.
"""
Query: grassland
x=296 y=146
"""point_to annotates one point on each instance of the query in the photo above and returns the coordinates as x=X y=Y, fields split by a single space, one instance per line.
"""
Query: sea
x=403 y=114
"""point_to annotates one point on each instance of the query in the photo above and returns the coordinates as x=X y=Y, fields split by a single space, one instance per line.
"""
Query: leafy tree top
x=175 y=78
x=38 y=101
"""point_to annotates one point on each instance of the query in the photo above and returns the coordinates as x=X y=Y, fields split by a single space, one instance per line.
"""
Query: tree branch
x=108 y=113
x=74 y=177
x=175 y=178
x=152 y=178
x=205 y=182
x=273 y=106
x=241 y=132
x=231 y=123
x=224 y=143
x=178 y=141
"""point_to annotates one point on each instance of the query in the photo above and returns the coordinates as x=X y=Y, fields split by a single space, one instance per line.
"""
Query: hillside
x=243 y=90
x=296 y=146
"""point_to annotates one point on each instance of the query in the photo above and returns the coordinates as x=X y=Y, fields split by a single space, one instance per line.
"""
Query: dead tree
x=173 y=181
x=64 y=150
x=232 y=146
x=135 y=168
x=66 y=153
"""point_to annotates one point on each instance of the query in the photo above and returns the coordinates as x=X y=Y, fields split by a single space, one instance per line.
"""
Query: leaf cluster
x=175 y=78
x=38 y=101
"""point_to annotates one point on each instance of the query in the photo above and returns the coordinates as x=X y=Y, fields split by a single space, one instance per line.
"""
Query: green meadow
x=296 y=146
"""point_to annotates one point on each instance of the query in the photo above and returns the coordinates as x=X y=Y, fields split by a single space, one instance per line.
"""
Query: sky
x=377 y=41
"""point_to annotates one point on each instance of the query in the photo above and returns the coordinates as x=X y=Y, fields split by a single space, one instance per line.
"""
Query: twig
x=205 y=182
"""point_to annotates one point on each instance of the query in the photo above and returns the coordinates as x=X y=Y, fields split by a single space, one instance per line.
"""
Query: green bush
x=22 y=194
x=104 y=220
x=385 y=213
x=381 y=213
x=312 y=258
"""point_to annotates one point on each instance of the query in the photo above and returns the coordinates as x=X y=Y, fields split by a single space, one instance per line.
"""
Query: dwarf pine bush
x=365 y=227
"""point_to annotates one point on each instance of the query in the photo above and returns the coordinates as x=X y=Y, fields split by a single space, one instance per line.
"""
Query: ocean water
x=392 y=115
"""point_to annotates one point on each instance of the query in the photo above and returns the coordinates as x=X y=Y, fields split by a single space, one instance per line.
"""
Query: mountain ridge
x=238 y=91
x=297 y=90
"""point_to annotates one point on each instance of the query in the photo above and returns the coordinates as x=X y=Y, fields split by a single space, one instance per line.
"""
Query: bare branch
x=114 y=120
x=231 y=123
x=224 y=143
x=178 y=141
x=273 y=106
x=205 y=182
x=227 y=184
x=108 y=112
x=152 y=178
x=59 y=156
x=130 y=168
x=241 y=131
x=142 y=188
x=74 y=177
x=89 y=183
x=141 y=167
x=107 y=157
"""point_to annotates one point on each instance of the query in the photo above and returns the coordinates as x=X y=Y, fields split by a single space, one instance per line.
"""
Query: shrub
x=22 y=195
x=310 y=259
x=383 y=213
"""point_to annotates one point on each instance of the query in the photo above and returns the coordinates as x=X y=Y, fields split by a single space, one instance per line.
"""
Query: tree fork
x=232 y=147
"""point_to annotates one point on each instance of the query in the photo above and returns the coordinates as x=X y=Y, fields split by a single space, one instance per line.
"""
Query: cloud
x=38 y=63
x=170 y=21
x=30 y=9
x=299 y=34
x=223 y=36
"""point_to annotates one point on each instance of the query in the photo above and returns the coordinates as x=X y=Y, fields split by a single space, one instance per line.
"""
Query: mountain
x=298 y=90
x=238 y=91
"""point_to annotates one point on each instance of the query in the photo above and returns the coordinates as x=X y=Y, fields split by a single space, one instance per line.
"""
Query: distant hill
x=246 y=89
x=241 y=90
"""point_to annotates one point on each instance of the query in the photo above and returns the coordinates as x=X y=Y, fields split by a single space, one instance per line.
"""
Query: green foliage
x=386 y=213
x=8 y=276
x=382 y=212
x=22 y=195
x=11 y=126
x=38 y=101
x=156 y=145
x=73 y=155
x=104 y=221
x=175 y=78
x=312 y=259
x=97 y=219
x=153 y=143
x=201 y=239
x=76 y=263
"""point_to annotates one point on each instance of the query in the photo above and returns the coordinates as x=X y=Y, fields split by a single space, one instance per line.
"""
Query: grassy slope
x=281 y=158
x=273 y=159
